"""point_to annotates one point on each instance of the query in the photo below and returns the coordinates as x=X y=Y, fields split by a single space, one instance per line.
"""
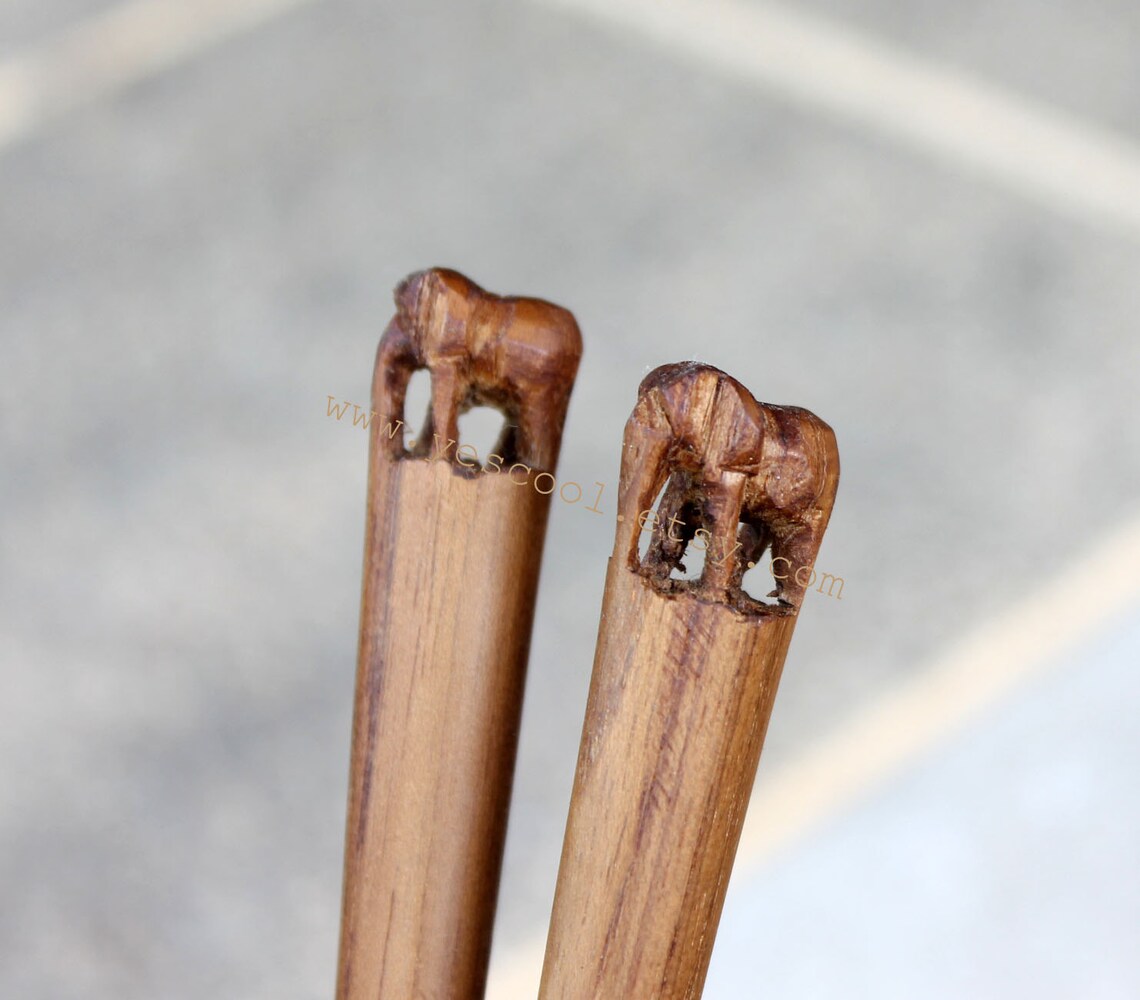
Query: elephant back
x=448 y=304
x=800 y=461
x=712 y=418
x=532 y=339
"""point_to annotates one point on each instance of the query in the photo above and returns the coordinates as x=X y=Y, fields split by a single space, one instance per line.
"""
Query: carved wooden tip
x=518 y=355
x=736 y=478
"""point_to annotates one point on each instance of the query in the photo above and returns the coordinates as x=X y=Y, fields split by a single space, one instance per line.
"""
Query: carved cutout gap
x=481 y=428
x=645 y=539
x=758 y=582
x=417 y=401
x=692 y=562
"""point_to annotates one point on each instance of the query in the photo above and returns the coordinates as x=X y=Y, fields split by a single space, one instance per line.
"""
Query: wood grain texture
x=685 y=675
x=451 y=566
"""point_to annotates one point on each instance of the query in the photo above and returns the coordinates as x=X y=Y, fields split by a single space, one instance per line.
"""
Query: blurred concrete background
x=920 y=221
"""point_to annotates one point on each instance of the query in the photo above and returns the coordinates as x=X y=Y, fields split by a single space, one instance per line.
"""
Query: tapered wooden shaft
x=451 y=566
x=684 y=679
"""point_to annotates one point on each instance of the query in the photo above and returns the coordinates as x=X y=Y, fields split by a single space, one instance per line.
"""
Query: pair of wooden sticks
x=684 y=676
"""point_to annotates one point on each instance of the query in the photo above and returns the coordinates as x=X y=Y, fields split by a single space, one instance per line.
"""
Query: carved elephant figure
x=519 y=355
x=751 y=475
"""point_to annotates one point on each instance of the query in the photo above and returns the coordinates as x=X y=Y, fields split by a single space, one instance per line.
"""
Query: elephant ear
x=665 y=376
x=447 y=281
x=736 y=427
x=446 y=309
x=408 y=296
x=682 y=391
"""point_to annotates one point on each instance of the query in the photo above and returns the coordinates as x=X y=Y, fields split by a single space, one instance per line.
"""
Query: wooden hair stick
x=684 y=679
x=451 y=565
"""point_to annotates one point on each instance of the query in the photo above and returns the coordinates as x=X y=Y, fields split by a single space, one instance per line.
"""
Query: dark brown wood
x=452 y=553
x=684 y=679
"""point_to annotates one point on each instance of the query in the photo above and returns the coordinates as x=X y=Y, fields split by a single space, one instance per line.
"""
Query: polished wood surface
x=452 y=554
x=685 y=675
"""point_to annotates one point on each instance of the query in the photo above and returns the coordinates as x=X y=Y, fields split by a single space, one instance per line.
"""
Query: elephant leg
x=539 y=430
x=395 y=362
x=795 y=551
x=444 y=414
x=643 y=474
x=671 y=529
x=724 y=505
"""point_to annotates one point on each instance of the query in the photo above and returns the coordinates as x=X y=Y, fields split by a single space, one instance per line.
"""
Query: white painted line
x=879 y=741
x=1064 y=163
x=98 y=57
x=968 y=678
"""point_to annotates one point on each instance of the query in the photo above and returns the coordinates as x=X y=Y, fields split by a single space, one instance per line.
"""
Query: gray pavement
x=25 y=24
x=1076 y=58
x=189 y=269
x=1001 y=865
